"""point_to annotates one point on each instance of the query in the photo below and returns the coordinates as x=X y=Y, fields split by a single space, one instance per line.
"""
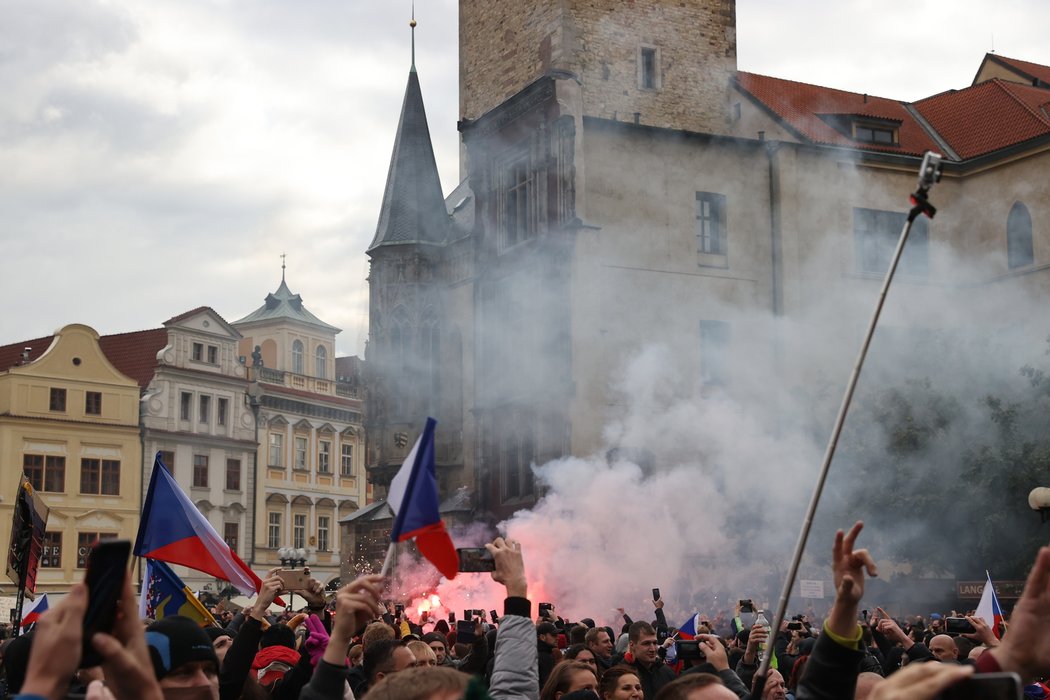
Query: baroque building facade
x=625 y=184
x=311 y=438
x=69 y=420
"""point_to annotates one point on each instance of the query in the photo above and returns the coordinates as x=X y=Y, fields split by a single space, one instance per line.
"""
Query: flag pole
x=929 y=174
x=389 y=560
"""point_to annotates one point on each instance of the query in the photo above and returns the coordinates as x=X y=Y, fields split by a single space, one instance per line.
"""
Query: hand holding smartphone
x=107 y=566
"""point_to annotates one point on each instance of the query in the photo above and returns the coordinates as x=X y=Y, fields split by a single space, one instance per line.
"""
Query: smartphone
x=958 y=625
x=986 y=686
x=452 y=618
x=475 y=559
x=106 y=568
x=465 y=632
x=656 y=594
x=399 y=610
x=467 y=614
x=293 y=579
x=493 y=616
x=747 y=606
x=545 y=609
x=689 y=650
x=795 y=625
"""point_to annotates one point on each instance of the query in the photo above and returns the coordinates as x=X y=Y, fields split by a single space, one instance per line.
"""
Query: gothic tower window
x=1019 y=237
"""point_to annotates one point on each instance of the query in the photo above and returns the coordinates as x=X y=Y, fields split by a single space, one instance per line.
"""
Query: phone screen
x=107 y=566
x=475 y=559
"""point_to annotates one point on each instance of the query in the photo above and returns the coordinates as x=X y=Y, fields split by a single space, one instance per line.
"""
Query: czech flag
x=413 y=497
x=989 y=608
x=164 y=594
x=173 y=530
x=688 y=630
x=36 y=609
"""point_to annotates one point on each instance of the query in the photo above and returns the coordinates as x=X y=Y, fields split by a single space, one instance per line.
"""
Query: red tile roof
x=191 y=312
x=133 y=354
x=1027 y=68
x=11 y=355
x=974 y=121
x=800 y=106
x=988 y=116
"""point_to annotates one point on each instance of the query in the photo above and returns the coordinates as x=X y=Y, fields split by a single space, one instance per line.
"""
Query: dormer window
x=875 y=132
x=864 y=128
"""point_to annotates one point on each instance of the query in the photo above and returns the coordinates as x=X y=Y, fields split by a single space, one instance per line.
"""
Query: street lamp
x=1039 y=499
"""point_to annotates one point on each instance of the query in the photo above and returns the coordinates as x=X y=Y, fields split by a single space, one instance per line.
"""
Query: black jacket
x=546 y=660
x=653 y=678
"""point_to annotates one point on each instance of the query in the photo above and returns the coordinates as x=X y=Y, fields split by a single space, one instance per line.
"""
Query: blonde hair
x=418 y=684
x=422 y=651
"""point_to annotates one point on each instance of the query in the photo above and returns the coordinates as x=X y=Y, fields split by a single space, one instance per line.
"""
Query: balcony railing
x=302 y=382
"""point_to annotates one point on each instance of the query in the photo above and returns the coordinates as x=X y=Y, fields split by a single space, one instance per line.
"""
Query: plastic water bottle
x=761 y=620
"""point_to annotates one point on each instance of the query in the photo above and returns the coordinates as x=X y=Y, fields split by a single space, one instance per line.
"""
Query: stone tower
x=404 y=344
x=664 y=63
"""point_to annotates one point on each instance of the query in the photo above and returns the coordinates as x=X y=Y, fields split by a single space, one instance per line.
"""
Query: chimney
x=25 y=355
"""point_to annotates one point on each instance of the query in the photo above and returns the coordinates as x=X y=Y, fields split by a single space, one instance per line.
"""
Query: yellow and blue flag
x=164 y=594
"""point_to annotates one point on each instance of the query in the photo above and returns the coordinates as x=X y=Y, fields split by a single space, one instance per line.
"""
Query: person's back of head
x=375 y=632
x=686 y=687
x=16 y=661
x=587 y=622
x=577 y=634
x=420 y=684
x=866 y=682
x=278 y=635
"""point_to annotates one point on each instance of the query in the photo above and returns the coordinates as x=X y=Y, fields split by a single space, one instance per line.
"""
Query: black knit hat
x=177 y=640
x=278 y=635
x=216 y=632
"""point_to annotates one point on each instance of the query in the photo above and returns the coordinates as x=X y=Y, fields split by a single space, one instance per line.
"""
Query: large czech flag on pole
x=989 y=608
x=173 y=530
x=413 y=497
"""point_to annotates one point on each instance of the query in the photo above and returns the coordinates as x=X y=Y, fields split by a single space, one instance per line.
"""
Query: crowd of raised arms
x=358 y=647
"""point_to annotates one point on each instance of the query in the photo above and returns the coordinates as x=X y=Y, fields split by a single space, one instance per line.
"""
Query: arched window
x=321 y=362
x=1019 y=237
x=297 y=357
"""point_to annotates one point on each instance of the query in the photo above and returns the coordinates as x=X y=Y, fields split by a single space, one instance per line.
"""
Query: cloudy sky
x=157 y=156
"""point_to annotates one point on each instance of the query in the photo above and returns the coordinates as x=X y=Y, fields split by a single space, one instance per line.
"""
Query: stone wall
x=505 y=45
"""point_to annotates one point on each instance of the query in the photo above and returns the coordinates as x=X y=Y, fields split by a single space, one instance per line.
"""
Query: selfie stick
x=929 y=174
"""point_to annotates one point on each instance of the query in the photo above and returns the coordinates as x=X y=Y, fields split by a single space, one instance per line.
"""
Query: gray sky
x=158 y=156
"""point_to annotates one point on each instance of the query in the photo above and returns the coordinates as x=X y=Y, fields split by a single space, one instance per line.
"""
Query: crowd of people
x=358 y=647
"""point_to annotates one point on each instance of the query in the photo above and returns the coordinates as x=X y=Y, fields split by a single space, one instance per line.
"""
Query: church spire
x=413 y=25
x=413 y=208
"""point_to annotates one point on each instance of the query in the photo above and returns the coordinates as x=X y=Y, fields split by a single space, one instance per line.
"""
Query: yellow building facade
x=70 y=421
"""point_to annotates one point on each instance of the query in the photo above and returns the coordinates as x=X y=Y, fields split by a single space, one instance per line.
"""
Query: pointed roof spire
x=285 y=304
x=413 y=25
x=413 y=208
x=283 y=256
